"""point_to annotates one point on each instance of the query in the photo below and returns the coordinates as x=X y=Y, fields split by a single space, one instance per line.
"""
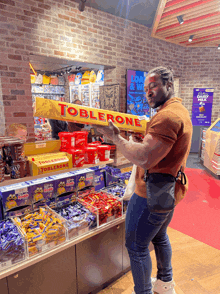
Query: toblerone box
x=43 y=165
x=77 y=113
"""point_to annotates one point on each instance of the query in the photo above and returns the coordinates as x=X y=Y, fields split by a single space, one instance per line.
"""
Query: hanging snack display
x=86 y=115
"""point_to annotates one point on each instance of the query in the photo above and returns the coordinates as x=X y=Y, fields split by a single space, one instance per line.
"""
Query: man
x=164 y=149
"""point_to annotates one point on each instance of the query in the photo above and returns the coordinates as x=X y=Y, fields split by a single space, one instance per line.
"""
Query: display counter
x=80 y=265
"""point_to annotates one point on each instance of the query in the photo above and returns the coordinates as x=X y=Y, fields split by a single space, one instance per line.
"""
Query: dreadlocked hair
x=165 y=73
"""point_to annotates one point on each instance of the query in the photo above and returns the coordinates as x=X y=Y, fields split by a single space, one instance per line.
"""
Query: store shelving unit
x=73 y=264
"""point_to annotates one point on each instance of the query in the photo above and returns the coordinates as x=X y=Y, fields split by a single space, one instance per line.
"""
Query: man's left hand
x=111 y=131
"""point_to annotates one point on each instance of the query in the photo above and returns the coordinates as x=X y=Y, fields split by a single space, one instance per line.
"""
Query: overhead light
x=219 y=47
x=62 y=73
x=191 y=38
x=82 y=5
x=180 y=19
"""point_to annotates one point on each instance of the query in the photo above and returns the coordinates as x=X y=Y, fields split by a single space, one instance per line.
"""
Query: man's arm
x=146 y=154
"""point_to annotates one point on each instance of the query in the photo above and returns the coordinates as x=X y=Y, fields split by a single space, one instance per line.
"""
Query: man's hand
x=138 y=138
x=111 y=131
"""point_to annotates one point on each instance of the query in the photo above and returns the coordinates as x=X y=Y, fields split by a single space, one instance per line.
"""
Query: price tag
x=111 y=218
x=48 y=246
x=5 y=264
x=40 y=145
x=83 y=231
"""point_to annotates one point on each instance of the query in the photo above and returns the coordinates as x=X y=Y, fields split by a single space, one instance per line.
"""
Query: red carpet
x=198 y=214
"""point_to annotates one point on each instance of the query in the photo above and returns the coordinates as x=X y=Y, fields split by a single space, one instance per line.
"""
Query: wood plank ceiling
x=201 y=19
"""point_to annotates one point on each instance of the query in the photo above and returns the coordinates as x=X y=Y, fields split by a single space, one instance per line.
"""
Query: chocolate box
x=99 y=177
x=42 y=190
x=64 y=183
x=14 y=198
x=84 y=178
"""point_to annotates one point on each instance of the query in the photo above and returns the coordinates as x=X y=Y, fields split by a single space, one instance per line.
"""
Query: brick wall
x=201 y=69
x=56 y=28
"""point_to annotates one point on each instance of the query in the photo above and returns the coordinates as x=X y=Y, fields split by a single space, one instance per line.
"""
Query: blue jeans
x=141 y=227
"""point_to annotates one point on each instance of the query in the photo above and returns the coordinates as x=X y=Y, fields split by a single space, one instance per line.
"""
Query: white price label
x=83 y=231
x=40 y=145
x=48 y=246
x=5 y=264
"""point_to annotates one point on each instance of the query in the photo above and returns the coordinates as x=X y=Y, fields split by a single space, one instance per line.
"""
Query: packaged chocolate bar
x=43 y=229
x=79 y=220
x=109 y=207
x=13 y=247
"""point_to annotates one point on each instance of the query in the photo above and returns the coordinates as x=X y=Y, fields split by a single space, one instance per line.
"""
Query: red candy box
x=94 y=144
x=104 y=152
x=77 y=157
x=91 y=155
x=79 y=140
x=65 y=138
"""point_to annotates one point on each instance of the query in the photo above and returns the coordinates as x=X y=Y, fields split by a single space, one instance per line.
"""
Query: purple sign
x=202 y=106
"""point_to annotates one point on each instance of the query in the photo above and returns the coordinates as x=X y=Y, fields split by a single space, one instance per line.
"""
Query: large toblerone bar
x=82 y=114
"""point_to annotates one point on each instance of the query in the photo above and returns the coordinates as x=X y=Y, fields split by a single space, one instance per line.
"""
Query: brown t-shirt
x=172 y=125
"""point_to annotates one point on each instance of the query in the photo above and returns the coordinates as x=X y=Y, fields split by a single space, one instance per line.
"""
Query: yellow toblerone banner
x=82 y=114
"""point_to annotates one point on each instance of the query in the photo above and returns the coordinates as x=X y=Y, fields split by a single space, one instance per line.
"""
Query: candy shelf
x=48 y=93
x=25 y=179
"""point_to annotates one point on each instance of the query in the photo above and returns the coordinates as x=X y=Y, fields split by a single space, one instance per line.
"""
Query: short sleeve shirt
x=171 y=125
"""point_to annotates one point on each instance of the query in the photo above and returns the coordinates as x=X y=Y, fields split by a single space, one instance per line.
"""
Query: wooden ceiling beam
x=202 y=38
x=186 y=7
x=189 y=21
x=158 y=15
x=174 y=2
x=188 y=28
x=204 y=41
x=193 y=31
x=190 y=14
x=202 y=34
